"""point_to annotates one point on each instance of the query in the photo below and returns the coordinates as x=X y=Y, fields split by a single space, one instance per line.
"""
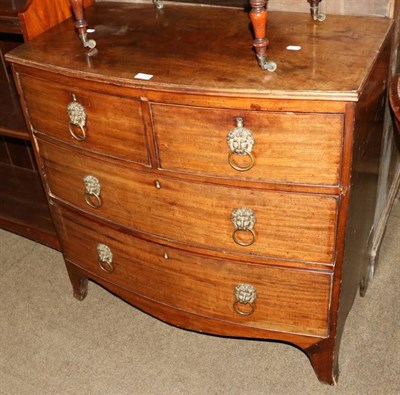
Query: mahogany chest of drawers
x=215 y=196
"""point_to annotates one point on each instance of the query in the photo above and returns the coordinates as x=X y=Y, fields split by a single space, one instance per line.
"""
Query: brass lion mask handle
x=105 y=258
x=241 y=142
x=77 y=119
x=92 y=191
x=245 y=296
x=243 y=220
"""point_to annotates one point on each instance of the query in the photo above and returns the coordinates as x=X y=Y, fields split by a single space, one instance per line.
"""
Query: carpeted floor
x=52 y=344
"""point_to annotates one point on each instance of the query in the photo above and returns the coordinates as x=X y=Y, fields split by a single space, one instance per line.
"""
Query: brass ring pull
x=241 y=142
x=92 y=190
x=88 y=200
x=237 y=308
x=243 y=220
x=245 y=295
x=105 y=258
x=77 y=117
x=106 y=267
x=243 y=243
x=237 y=167
x=82 y=137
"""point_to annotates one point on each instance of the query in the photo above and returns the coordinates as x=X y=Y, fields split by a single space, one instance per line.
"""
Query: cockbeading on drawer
x=85 y=119
x=265 y=297
x=286 y=147
x=294 y=226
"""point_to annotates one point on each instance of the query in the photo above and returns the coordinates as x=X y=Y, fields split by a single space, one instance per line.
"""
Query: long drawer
x=260 y=222
x=287 y=300
x=102 y=123
x=251 y=145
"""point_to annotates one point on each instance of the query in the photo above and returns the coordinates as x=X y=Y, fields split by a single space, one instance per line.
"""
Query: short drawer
x=277 y=147
x=241 y=220
x=106 y=124
x=294 y=301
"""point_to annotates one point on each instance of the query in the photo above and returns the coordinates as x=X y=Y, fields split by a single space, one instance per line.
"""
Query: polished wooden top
x=208 y=49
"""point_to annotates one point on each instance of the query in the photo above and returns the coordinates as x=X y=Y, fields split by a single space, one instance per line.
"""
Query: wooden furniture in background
x=30 y=18
x=211 y=194
x=394 y=96
x=23 y=204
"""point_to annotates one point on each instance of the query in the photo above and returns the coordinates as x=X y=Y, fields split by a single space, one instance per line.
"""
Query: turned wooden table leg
x=81 y=24
x=258 y=17
x=314 y=9
x=78 y=280
x=159 y=4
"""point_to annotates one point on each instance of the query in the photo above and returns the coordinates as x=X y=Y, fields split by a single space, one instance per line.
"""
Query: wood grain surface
x=179 y=61
x=114 y=126
x=289 y=147
x=288 y=225
x=293 y=301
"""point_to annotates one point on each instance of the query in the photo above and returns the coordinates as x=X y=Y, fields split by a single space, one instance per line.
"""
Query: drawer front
x=113 y=125
x=279 y=147
x=287 y=225
x=295 y=301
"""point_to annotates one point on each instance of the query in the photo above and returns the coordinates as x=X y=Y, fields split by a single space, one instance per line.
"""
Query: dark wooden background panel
x=20 y=153
x=23 y=205
x=12 y=7
x=4 y=157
